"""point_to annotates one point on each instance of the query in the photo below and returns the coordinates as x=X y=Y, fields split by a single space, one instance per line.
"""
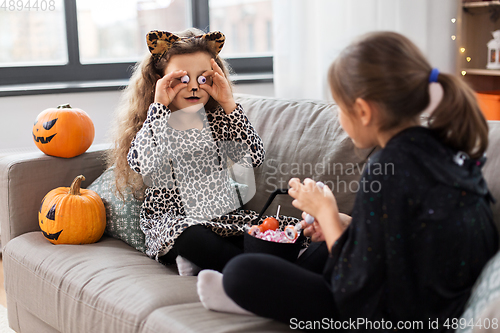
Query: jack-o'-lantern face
x=47 y=221
x=47 y=126
x=63 y=132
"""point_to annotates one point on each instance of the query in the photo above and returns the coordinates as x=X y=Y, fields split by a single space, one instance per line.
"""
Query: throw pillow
x=486 y=289
x=122 y=217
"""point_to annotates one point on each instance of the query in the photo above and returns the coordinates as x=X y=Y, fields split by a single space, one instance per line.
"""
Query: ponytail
x=458 y=120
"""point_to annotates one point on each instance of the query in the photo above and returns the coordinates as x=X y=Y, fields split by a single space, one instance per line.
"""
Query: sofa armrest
x=25 y=178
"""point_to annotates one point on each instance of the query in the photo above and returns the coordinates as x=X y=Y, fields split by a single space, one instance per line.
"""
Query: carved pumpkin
x=63 y=132
x=70 y=215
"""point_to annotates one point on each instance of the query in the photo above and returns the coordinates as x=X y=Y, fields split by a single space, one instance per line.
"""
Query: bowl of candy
x=268 y=238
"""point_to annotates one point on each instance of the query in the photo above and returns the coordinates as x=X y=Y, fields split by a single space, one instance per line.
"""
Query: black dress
x=421 y=232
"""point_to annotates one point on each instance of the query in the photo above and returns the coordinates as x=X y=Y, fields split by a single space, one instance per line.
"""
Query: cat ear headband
x=159 y=42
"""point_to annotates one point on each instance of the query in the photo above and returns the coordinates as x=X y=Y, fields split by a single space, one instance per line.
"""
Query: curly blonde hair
x=136 y=98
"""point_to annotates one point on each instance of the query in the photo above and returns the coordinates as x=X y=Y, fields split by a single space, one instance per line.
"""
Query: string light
x=468 y=59
x=462 y=49
x=453 y=20
x=463 y=73
x=453 y=37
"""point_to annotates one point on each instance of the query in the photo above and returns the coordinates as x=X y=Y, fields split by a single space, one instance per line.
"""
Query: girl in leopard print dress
x=182 y=149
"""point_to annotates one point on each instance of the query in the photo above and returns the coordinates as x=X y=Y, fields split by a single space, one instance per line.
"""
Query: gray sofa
x=111 y=287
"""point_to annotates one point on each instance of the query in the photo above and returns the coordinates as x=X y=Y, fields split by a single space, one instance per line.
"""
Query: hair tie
x=434 y=75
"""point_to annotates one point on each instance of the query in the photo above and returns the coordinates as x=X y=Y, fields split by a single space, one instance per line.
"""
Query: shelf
x=479 y=4
x=478 y=71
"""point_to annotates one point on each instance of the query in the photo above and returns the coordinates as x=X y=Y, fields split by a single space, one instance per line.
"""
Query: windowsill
x=61 y=87
x=88 y=86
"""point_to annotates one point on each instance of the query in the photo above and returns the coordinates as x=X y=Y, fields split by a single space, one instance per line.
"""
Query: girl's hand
x=220 y=89
x=312 y=230
x=319 y=203
x=166 y=89
x=310 y=198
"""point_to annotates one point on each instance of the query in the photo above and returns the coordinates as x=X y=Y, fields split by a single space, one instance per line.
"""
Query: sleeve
x=238 y=138
x=147 y=148
x=359 y=259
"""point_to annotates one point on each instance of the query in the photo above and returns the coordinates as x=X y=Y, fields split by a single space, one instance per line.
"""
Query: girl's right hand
x=167 y=89
x=312 y=230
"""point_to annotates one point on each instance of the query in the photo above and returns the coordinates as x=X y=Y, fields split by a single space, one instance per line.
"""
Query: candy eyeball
x=202 y=79
x=185 y=79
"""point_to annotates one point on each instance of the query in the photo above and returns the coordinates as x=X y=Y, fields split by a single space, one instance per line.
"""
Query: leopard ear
x=215 y=40
x=159 y=42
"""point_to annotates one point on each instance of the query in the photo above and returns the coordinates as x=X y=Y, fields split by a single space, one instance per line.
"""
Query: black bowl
x=287 y=251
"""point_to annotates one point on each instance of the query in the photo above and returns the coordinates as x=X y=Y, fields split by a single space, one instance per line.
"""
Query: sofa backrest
x=302 y=138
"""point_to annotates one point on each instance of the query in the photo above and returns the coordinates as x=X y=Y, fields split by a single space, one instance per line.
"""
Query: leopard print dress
x=188 y=177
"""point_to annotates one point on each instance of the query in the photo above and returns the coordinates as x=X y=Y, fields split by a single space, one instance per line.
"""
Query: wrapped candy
x=276 y=236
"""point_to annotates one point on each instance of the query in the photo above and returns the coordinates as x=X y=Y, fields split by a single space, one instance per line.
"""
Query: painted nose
x=193 y=85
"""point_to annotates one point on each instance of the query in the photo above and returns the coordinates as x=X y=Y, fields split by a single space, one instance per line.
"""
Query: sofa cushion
x=486 y=289
x=122 y=215
x=180 y=319
x=102 y=287
x=302 y=138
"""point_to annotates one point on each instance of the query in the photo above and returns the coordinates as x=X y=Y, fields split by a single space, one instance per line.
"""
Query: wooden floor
x=3 y=299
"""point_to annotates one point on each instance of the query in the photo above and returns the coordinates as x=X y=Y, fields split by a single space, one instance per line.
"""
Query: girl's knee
x=244 y=264
x=239 y=273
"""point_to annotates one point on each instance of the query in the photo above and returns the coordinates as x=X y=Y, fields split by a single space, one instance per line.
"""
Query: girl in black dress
x=422 y=228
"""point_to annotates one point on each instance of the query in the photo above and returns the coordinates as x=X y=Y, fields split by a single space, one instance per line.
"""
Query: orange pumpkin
x=63 y=132
x=70 y=215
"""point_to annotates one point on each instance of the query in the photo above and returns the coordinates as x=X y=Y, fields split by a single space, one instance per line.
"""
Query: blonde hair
x=387 y=69
x=135 y=102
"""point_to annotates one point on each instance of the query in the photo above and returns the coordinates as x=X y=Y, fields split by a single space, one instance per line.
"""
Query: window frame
x=75 y=76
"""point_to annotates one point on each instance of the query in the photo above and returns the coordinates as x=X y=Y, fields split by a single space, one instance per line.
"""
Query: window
x=245 y=48
x=32 y=33
x=111 y=33
x=251 y=41
x=242 y=20
x=73 y=45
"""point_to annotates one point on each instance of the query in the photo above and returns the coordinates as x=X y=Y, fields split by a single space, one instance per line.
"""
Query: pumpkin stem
x=75 y=186
x=64 y=106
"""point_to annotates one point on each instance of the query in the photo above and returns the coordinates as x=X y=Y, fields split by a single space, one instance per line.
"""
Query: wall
x=20 y=112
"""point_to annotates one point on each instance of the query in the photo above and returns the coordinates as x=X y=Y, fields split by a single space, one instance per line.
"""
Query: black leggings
x=275 y=288
x=204 y=248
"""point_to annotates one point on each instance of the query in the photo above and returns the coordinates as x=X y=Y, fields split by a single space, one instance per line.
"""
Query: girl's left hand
x=319 y=203
x=220 y=89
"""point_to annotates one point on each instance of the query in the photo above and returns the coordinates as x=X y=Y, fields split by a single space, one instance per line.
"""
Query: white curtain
x=309 y=34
